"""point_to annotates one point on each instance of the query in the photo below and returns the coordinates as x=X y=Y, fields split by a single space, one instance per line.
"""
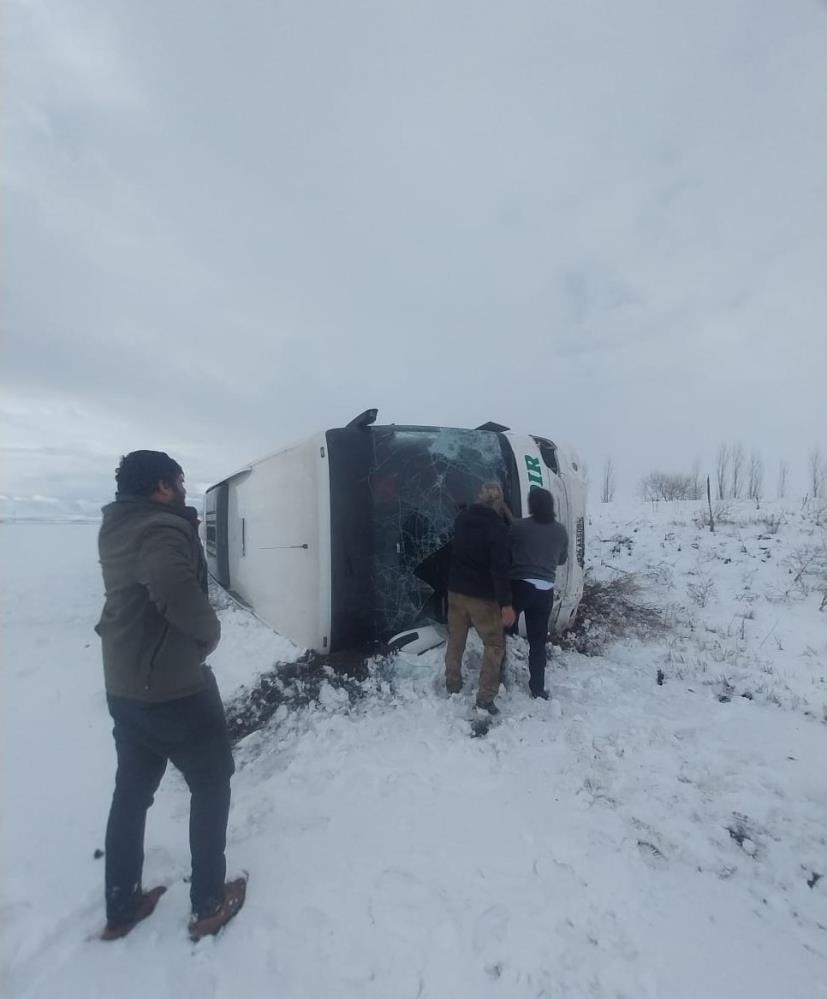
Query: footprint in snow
x=490 y=929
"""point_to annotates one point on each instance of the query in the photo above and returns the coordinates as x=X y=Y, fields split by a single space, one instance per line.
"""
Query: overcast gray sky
x=229 y=225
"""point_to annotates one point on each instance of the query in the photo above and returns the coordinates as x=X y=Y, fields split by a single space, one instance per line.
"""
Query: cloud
x=233 y=226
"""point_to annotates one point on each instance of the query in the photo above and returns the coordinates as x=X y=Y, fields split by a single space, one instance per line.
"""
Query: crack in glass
x=419 y=481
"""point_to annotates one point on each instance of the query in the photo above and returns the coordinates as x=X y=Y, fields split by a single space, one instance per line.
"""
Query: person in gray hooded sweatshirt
x=538 y=545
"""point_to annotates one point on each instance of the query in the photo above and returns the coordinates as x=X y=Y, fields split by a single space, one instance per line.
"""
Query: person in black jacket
x=479 y=593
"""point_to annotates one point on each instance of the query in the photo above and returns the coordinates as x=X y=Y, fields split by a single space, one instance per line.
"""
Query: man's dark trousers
x=536 y=604
x=190 y=732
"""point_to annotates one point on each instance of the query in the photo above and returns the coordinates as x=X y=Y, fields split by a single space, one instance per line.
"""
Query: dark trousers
x=536 y=605
x=191 y=732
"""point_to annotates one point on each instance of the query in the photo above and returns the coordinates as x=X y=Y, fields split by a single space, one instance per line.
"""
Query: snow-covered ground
x=627 y=839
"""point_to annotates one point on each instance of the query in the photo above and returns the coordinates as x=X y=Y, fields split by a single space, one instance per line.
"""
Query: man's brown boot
x=234 y=895
x=149 y=899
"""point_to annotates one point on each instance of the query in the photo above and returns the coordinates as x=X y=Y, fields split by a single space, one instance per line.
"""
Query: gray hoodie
x=537 y=549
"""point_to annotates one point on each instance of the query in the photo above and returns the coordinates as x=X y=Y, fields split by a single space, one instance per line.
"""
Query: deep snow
x=626 y=839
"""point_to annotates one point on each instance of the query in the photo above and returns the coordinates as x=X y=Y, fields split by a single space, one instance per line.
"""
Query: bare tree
x=783 y=475
x=722 y=470
x=737 y=465
x=607 y=488
x=755 y=484
x=698 y=484
x=709 y=502
x=666 y=486
x=818 y=473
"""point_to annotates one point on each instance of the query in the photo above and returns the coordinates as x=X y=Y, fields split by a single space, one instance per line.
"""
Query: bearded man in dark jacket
x=479 y=592
x=157 y=629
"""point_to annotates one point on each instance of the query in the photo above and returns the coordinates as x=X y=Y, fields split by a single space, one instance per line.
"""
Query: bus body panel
x=343 y=540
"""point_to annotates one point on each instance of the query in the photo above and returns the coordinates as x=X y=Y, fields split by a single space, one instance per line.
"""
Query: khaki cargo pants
x=486 y=617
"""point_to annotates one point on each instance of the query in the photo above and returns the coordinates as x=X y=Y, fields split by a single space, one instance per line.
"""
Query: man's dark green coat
x=157 y=624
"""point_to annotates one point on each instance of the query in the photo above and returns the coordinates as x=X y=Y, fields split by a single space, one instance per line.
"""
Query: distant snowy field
x=627 y=839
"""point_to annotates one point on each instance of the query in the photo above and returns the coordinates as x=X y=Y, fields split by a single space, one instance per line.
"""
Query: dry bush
x=722 y=512
x=619 y=543
x=807 y=566
x=669 y=486
x=701 y=592
x=816 y=510
x=772 y=522
x=610 y=610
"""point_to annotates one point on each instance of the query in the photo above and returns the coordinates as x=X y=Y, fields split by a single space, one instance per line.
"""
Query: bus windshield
x=420 y=479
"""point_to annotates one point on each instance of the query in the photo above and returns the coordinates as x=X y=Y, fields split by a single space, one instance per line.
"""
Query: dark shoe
x=453 y=687
x=544 y=694
x=234 y=895
x=146 y=906
x=488 y=706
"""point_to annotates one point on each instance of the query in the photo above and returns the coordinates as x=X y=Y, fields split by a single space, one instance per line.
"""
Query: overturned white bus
x=342 y=541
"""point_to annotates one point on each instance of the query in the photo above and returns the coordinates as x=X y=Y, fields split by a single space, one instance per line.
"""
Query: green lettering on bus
x=535 y=471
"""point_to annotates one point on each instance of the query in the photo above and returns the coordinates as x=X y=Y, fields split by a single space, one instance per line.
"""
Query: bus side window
x=548 y=452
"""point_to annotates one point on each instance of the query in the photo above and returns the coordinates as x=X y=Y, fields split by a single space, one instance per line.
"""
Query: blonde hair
x=491 y=494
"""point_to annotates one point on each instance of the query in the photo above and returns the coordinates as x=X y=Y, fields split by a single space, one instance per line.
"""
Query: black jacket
x=479 y=556
x=157 y=623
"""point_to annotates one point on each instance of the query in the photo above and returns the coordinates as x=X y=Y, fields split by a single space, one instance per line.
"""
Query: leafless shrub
x=701 y=592
x=722 y=512
x=611 y=610
x=808 y=567
x=619 y=543
x=815 y=510
x=772 y=522
x=668 y=486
